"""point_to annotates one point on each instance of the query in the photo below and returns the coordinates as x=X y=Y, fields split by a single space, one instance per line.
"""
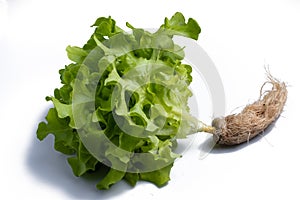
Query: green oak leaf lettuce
x=140 y=103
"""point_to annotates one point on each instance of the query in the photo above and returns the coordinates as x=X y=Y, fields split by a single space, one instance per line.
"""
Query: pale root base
x=254 y=118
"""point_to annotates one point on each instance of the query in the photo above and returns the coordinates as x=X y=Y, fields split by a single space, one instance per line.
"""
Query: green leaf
x=106 y=26
x=132 y=178
x=177 y=26
x=68 y=74
x=76 y=54
x=83 y=162
x=158 y=177
x=64 y=135
x=111 y=178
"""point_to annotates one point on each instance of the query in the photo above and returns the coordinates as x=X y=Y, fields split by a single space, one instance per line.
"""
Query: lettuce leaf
x=124 y=95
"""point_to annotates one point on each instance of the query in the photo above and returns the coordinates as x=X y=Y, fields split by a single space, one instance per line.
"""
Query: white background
x=240 y=36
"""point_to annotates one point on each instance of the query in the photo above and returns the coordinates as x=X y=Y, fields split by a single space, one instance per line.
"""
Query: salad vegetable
x=132 y=96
